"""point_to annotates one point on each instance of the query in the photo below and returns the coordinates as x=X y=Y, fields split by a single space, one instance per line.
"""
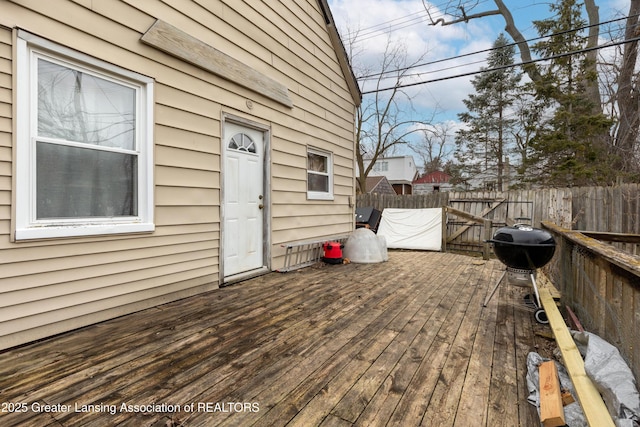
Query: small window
x=381 y=167
x=84 y=145
x=242 y=142
x=319 y=175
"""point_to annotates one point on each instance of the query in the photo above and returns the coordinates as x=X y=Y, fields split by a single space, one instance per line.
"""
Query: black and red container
x=332 y=252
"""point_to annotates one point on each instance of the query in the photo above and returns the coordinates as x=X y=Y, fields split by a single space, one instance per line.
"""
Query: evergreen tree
x=529 y=112
x=569 y=148
x=486 y=141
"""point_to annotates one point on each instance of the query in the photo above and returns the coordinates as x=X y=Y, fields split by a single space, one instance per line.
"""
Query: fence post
x=444 y=229
x=486 y=248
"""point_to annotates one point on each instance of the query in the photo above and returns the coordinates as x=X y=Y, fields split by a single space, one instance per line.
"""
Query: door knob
x=260 y=206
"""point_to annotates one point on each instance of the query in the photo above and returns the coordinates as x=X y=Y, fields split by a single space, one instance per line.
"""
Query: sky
x=406 y=21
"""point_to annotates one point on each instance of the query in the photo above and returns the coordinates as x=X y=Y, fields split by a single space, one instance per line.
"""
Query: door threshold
x=245 y=275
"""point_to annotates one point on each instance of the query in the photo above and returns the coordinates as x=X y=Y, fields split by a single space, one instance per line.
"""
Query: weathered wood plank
x=472 y=408
x=503 y=394
x=524 y=335
x=443 y=407
x=445 y=328
x=176 y=42
x=612 y=237
x=611 y=254
x=408 y=325
x=395 y=343
x=383 y=404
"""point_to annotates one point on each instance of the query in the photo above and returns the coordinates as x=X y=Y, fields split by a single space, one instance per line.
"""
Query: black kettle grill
x=523 y=249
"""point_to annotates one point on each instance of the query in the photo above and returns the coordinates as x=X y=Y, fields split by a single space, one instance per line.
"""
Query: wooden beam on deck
x=551 y=409
x=593 y=406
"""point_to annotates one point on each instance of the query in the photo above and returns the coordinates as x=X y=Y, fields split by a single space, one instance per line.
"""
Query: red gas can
x=332 y=252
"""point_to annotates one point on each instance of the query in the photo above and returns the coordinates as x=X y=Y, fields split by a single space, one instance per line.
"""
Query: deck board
x=402 y=343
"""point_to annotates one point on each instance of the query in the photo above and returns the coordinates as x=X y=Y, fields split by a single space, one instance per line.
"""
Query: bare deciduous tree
x=384 y=119
x=436 y=146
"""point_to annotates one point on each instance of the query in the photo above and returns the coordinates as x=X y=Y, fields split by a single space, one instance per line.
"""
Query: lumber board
x=544 y=282
x=574 y=320
x=590 y=400
x=175 y=42
x=551 y=409
x=466 y=215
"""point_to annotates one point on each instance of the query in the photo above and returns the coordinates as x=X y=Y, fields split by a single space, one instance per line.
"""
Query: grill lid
x=523 y=247
x=523 y=235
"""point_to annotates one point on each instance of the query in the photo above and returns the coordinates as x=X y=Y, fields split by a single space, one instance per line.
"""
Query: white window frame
x=382 y=166
x=29 y=47
x=321 y=195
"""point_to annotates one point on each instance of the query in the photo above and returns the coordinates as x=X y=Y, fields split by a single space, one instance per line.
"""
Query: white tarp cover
x=412 y=228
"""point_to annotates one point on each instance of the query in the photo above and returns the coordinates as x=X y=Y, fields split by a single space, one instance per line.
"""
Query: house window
x=319 y=175
x=84 y=145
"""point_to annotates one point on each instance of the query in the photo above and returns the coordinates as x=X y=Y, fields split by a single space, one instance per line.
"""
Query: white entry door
x=243 y=177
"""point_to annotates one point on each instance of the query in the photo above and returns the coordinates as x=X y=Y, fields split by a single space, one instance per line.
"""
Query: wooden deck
x=402 y=343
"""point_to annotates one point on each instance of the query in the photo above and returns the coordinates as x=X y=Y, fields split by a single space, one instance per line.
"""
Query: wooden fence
x=599 y=281
x=602 y=285
x=606 y=209
x=500 y=208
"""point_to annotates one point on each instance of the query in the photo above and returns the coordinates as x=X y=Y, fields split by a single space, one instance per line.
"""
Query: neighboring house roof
x=436 y=177
x=379 y=185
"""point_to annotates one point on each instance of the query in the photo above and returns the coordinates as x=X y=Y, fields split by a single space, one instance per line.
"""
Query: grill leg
x=493 y=291
x=535 y=289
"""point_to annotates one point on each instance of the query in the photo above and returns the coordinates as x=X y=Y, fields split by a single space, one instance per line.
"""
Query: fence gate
x=469 y=236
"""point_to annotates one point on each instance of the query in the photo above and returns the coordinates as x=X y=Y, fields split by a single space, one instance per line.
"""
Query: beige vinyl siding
x=5 y=132
x=54 y=285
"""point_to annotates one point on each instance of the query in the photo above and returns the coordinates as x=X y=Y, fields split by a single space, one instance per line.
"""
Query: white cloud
x=407 y=22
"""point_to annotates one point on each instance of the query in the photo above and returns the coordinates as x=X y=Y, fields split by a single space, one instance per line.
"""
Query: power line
x=377 y=75
x=387 y=27
x=391 y=23
x=503 y=67
x=367 y=31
